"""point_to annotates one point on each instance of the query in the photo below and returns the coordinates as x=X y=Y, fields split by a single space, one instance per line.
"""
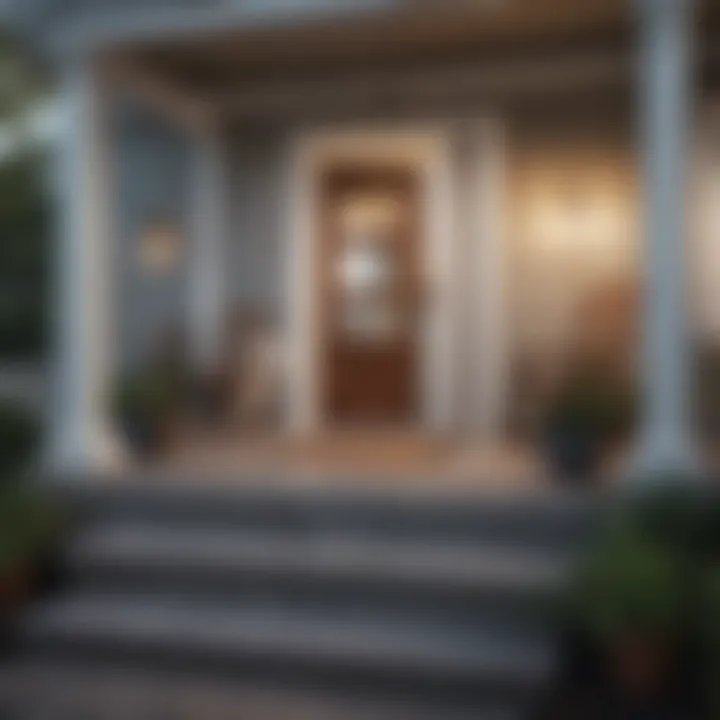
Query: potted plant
x=710 y=634
x=642 y=635
x=30 y=529
x=146 y=406
x=709 y=613
x=19 y=433
x=588 y=416
x=631 y=603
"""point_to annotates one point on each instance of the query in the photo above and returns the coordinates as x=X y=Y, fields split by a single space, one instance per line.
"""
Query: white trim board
x=428 y=151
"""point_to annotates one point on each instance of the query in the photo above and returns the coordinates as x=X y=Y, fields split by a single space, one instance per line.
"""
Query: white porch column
x=665 y=82
x=80 y=435
x=207 y=267
x=482 y=279
x=491 y=281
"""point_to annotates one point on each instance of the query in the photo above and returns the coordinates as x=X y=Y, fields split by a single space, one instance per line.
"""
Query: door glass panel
x=368 y=270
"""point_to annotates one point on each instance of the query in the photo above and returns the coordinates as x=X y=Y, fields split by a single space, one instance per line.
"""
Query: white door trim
x=428 y=151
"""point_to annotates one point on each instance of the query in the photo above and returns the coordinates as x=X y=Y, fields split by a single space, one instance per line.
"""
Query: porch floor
x=378 y=459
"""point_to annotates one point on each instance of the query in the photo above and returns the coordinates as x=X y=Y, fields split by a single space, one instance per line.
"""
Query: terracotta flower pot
x=642 y=665
x=15 y=589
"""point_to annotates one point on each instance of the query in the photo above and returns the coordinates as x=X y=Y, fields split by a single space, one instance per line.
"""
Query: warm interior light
x=159 y=247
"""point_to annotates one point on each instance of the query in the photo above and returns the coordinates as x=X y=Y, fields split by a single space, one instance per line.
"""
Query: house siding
x=154 y=171
x=153 y=164
x=255 y=244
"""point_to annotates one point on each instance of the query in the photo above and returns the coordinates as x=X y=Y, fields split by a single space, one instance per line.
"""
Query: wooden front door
x=370 y=305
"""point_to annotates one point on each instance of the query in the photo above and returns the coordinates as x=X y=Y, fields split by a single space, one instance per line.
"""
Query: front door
x=370 y=271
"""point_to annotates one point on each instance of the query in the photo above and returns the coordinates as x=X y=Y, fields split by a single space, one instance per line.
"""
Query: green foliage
x=30 y=527
x=146 y=397
x=22 y=79
x=24 y=208
x=630 y=586
x=711 y=608
x=19 y=439
x=646 y=572
x=24 y=256
x=147 y=405
x=594 y=402
x=676 y=512
x=710 y=613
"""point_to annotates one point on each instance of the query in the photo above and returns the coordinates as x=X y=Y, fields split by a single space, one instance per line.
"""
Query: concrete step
x=305 y=603
x=208 y=552
x=51 y=691
x=536 y=520
x=290 y=645
x=416 y=578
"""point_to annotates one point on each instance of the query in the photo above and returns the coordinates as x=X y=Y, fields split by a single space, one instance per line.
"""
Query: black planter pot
x=145 y=438
x=573 y=454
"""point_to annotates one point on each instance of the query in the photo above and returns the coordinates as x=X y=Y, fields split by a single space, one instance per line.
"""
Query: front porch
x=352 y=459
x=211 y=184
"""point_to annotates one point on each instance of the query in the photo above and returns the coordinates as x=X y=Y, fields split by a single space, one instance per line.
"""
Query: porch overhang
x=260 y=29
x=379 y=57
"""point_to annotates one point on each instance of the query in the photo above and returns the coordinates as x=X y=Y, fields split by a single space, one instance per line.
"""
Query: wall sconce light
x=160 y=246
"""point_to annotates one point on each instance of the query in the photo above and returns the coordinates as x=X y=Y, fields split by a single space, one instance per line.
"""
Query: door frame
x=428 y=151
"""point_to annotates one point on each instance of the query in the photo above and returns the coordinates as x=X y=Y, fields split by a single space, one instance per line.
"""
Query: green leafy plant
x=146 y=404
x=143 y=395
x=594 y=402
x=630 y=586
x=24 y=256
x=646 y=567
x=589 y=415
x=711 y=609
x=710 y=634
x=645 y=596
x=30 y=531
x=19 y=439
x=676 y=512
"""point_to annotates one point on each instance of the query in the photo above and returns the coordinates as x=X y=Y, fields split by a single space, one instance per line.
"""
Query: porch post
x=80 y=438
x=481 y=158
x=207 y=287
x=490 y=262
x=665 y=84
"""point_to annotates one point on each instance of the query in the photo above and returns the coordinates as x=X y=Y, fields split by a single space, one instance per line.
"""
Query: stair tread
x=51 y=689
x=211 y=550
x=545 y=520
x=273 y=491
x=297 y=633
x=311 y=593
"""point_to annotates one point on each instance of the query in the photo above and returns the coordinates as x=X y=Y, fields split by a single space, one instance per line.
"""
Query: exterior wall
x=581 y=152
x=152 y=183
x=536 y=299
x=574 y=241
x=596 y=154
x=254 y=269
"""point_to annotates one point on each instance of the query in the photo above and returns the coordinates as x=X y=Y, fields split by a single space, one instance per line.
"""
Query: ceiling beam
x=156 y=93
x=473 y=80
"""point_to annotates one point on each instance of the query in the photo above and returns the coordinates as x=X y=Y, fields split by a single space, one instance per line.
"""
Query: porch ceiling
x=419 y=29
x=430 y=51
